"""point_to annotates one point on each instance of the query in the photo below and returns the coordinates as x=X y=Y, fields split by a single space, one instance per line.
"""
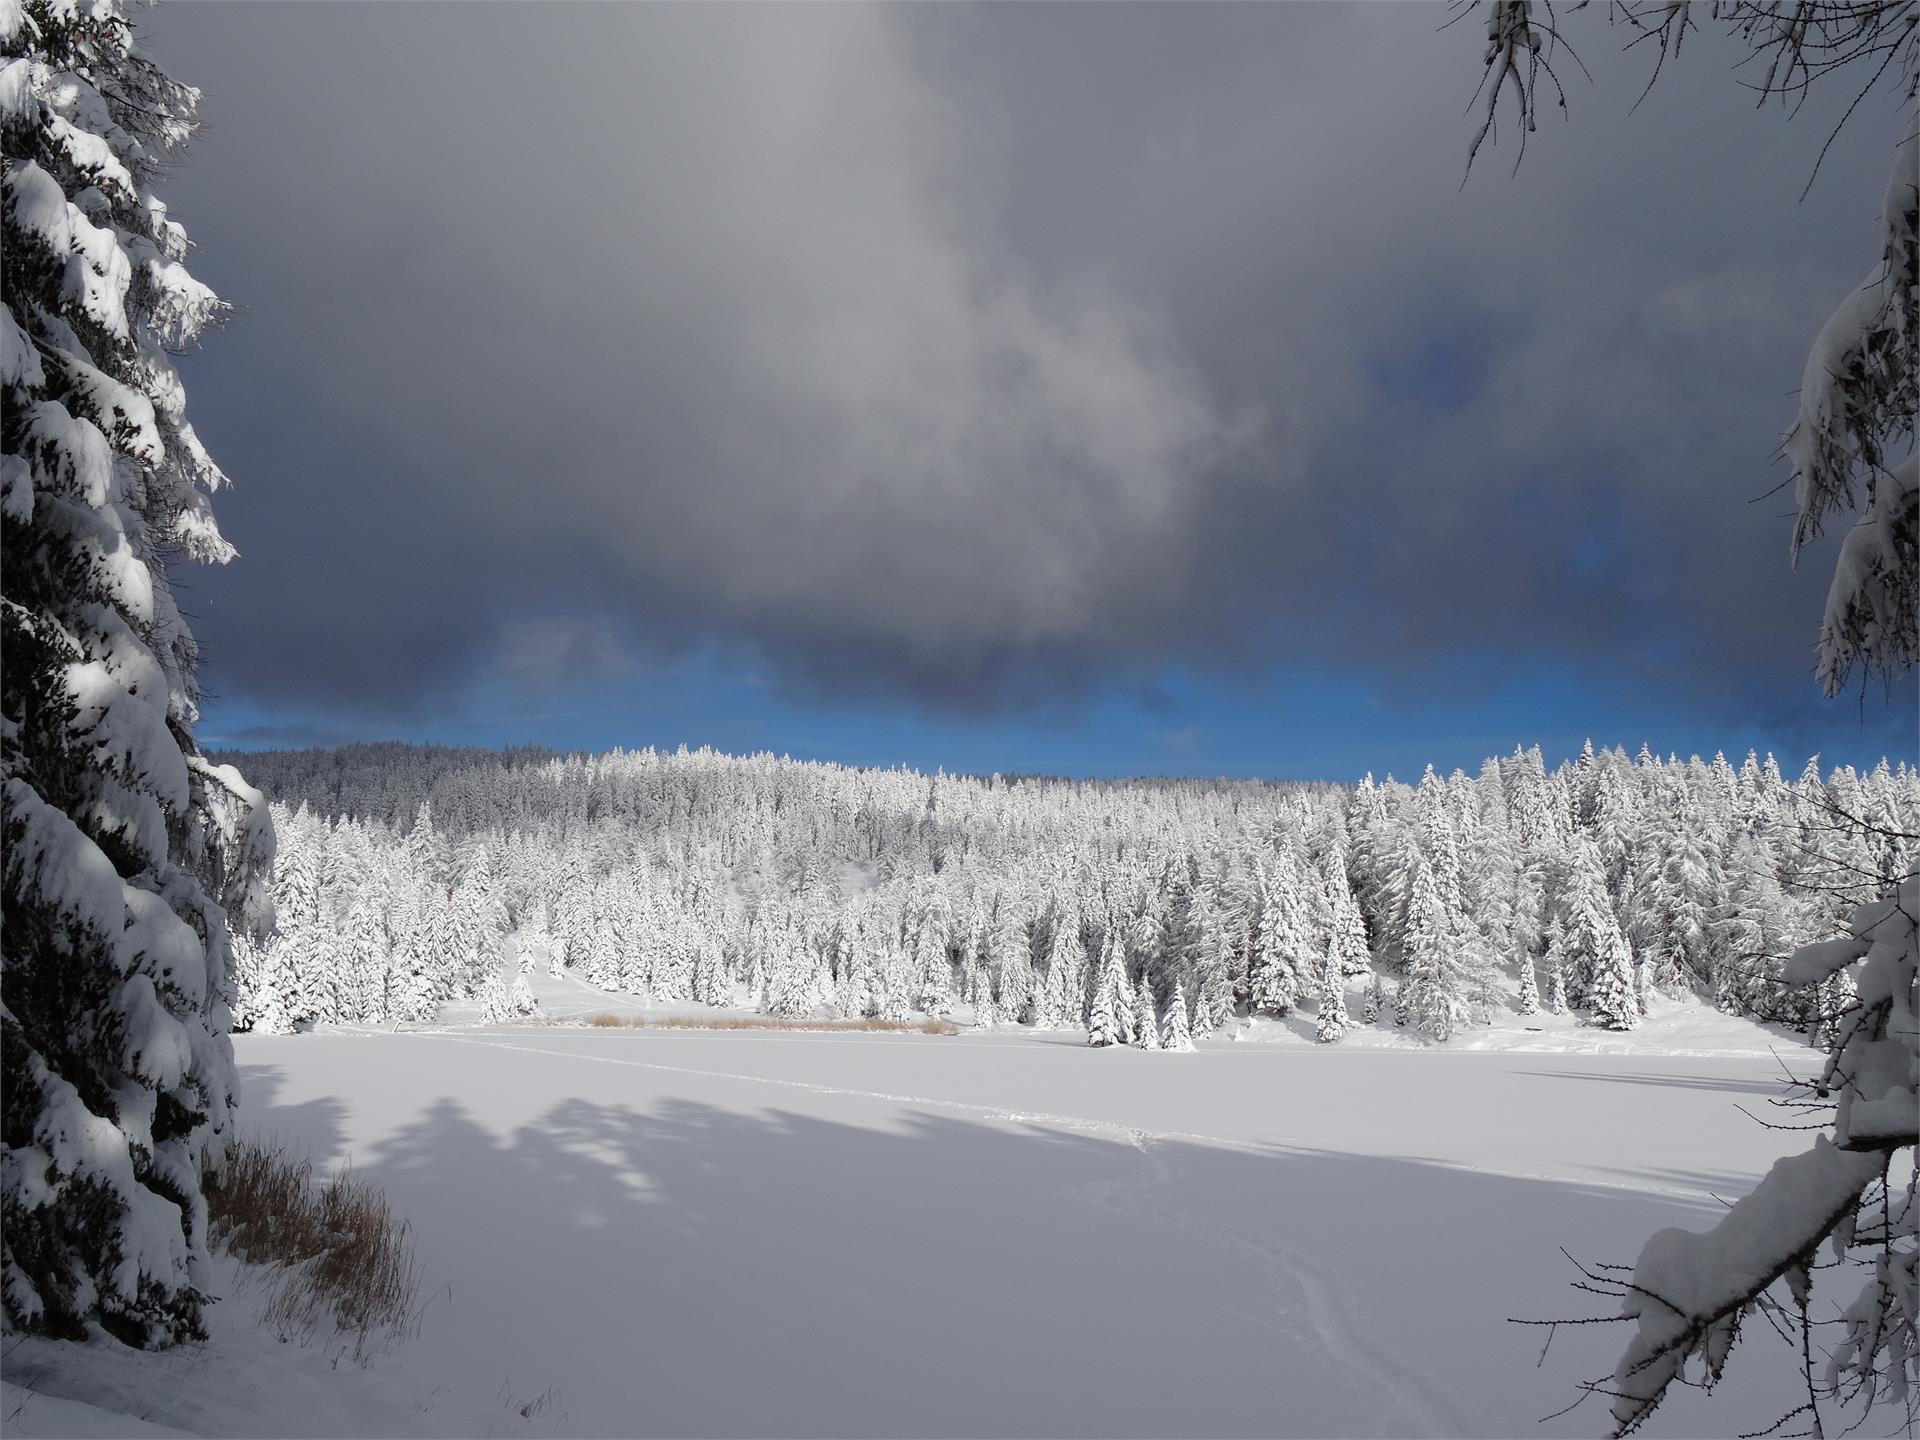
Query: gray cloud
x=975 y=355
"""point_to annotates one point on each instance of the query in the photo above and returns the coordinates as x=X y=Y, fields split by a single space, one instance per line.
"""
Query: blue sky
x=1312 y=726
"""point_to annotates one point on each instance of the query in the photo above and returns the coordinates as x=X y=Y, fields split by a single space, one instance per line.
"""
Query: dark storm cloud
x=977 y=355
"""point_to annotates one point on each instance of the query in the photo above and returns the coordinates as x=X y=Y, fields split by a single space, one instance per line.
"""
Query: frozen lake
x=688 y=1232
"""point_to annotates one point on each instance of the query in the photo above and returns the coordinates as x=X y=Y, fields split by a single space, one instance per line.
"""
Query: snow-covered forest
x=1143 y=910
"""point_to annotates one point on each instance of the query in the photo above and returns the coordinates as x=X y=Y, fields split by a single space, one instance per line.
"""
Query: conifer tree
x=1589 y=925
x=1063 y=975
x=296 y=879
x=359 y=979
x=1109 y=995
x=520 y=1001
x=1207 y=960
x=1554 y=958
x=419 y=994
x=129 y=857
x=1274 y=974
x=789 y=975
x=1675 y=894
x=1177 y=1035
x=1348 y=928
x=1333 y=1003
x=496 y=1001
x=1528 y=1002
x=425 y=849
x=895 y=977
x=1146 y=1029
x=710 y=976
x=1752 y=933
x=935 y=969
x=270 y=1006
x=1374 y=1002
x=1611 y=997
x=986 y=1009
x=1125 y=1008
x=245 y=977
x=1430 y=995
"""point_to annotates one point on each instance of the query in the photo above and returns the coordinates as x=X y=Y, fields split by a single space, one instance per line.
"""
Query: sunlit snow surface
x=696 y=1233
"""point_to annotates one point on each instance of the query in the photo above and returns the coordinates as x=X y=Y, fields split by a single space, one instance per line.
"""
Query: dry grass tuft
x=774 y=1022
x=337 y=1251
x=768 y=1022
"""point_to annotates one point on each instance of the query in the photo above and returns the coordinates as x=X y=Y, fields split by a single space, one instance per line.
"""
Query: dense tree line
x=1143 y=911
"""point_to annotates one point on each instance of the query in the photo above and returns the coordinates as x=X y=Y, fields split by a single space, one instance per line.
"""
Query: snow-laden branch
x=1690 y=1290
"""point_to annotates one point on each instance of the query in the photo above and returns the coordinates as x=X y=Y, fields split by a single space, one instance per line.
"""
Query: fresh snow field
x=661 y=1232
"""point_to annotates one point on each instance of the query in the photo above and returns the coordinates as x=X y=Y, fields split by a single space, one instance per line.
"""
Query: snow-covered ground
x=674 y=1232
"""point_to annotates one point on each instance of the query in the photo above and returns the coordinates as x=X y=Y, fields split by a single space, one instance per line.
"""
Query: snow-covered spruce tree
x=1177 y=1034
x=496 y=1001
x=1855 y=431
x=1557 y=992
x=1348 y=927
x=930 y=960
x=1373 y=1002
x=1430 y=992
x=127 y=854
x=275 y=1008
x=520 y=999
x=1612 y=994
x=1528 y=1002
x=1277 y=942
x=896 y=977
x=1676 y=890
x=1554 y=958
x=1333 y=1002
x=1750 y=931
x=1146 y=1028
x=1590 y=927
x=1109 y=996
x=1057 y=1004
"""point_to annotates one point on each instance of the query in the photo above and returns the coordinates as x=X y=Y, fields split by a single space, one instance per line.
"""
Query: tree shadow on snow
x=1732 y=1084
x=312 y=1130
x=685 y=1268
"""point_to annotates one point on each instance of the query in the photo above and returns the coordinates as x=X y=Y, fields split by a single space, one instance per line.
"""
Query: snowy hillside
x=1611 y=887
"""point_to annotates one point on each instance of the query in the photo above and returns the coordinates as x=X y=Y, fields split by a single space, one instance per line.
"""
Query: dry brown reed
x=767 y=1022
x=336 y=1252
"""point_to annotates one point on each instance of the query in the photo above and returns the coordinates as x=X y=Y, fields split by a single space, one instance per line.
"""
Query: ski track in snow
x=1335 y=1328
